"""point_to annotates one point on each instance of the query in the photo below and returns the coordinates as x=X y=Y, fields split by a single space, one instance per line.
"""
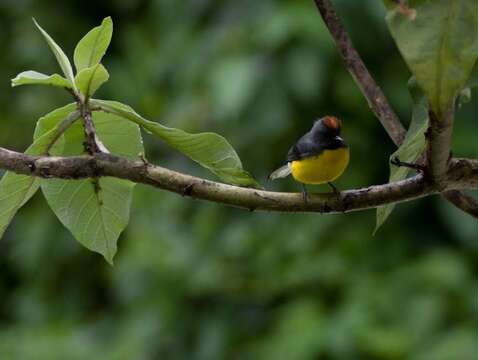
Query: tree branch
x=372 y=92
x=439 y=144
x=463 y=173
x=463 y=202
x=93 y=144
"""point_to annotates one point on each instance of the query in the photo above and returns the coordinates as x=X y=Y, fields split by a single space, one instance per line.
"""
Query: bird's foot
x=334 y=189
x=305 y=194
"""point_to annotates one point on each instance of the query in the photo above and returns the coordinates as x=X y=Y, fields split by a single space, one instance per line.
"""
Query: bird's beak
x=339 y=140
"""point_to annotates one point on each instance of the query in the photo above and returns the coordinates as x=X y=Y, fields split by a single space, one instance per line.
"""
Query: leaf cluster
x=96 y=211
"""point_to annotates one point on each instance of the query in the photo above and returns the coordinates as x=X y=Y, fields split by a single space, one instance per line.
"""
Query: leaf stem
x=93 y=144
x=65 y=124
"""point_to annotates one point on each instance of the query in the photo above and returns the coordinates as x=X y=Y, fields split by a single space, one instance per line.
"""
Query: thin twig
x=417 y=167
x=93 y=144
x=64 y=125
x=372 y=92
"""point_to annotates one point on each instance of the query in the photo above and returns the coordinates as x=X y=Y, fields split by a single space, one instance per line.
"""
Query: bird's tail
x=281 y=172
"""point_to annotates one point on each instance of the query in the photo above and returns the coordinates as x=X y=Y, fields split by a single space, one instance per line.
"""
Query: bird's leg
x=304 y=193
x=334 y=189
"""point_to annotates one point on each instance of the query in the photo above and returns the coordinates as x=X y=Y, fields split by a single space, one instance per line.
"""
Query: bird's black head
x=327 y=129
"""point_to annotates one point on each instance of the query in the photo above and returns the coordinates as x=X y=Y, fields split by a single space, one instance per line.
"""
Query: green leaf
x=440 y=45
x=96 y=211
x=60 y=56
x=15 y=189
x=210 y=150
x=92 y=47
x=90 y=79
x=411 y=149
x=35 y=78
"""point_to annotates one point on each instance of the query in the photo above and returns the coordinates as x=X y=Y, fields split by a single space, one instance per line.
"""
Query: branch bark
x=463 y=202
x=93 y=144
x=372 y=92
x=439 y=144
x=463 y=173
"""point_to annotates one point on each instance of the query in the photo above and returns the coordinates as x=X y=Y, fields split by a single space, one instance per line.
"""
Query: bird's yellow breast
x=322 y=168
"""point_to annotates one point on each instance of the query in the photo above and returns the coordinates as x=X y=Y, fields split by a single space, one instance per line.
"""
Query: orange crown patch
x=332 y=122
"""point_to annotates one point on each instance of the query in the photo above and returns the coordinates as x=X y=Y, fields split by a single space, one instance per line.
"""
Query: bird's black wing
x=305 y=147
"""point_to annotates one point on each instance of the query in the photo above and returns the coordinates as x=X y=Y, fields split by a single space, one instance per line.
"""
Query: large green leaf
x=210 y=150
x=31 y=77
x=90 y=79
x=60 y=56
x=15 y=189
x=440 y=45
x=96 y=210
x=411 y=149
x=92 y=47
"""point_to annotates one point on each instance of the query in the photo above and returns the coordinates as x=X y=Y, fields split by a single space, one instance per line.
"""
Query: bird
x=318 y=157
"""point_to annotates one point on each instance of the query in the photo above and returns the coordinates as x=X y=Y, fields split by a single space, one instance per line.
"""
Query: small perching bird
x=318 y=157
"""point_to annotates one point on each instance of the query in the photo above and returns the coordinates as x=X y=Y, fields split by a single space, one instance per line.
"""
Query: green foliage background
x=194 y=280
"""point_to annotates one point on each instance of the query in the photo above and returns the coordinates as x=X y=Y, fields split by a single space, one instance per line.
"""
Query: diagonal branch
x=463 y=173
x=372 y=92
x=374 y=95
x=463 y=202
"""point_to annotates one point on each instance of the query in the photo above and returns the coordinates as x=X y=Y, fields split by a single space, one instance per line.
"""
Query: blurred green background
x=195 y=280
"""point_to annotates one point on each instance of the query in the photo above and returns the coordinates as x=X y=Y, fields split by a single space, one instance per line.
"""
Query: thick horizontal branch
x=463 y=174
